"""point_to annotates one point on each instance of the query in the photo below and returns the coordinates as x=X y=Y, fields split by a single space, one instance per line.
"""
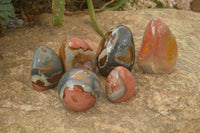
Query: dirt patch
x=161 y=103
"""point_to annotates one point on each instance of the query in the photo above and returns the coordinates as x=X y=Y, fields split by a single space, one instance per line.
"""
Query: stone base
x=161 y=103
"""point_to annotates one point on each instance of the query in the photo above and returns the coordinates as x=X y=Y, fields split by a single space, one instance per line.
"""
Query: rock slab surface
x=161 y=103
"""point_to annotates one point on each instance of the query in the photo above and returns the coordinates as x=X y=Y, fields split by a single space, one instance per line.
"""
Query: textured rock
x=161 y=103
x=195 y=5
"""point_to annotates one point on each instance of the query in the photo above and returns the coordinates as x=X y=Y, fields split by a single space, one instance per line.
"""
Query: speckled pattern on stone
x=161 y=103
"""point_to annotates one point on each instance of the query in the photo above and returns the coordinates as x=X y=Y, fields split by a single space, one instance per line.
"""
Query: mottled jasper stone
x=158 y=53
x=46 y=69
x=116 y=49
x=77 y=54
x=79 y=89
x=120 y=85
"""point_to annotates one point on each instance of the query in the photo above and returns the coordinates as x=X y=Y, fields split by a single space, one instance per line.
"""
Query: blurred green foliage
x=7 y=12
x=158 y=4
x=116 y=5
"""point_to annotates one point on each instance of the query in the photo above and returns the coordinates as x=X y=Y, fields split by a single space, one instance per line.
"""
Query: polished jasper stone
x=76 y=53
x=158 y=53
x=46 y=68
x=120 y=85
x=79 y=89
x=116 y=49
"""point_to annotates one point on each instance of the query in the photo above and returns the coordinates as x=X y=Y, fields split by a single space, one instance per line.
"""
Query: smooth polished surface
x=46 y=69
x=158 y=52
x=76 y=53
x=120 y=85
x=78 y=89
x=116 y=49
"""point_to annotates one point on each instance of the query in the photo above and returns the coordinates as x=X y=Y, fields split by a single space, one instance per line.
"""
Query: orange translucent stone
x=158 y=53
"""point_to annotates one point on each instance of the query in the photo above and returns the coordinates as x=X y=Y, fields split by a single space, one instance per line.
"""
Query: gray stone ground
x=161 y=103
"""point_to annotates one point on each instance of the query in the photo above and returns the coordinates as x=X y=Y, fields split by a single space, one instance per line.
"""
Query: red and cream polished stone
x=78 y=100
x=158 y=53
x=79 y=89
x=120 y=85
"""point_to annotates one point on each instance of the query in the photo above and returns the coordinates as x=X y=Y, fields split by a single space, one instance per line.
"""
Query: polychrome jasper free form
x=77 y=54
x=79 y=89
x=120 y=85
x=158 y=53
x=116 y=49
x=46 y=69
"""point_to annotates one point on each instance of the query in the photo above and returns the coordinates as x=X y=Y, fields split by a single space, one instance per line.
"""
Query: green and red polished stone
x=79 y=89
x=158 y=53
x=116 y=49
x=46 y=69
x=120 y=85
x=76 y=53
